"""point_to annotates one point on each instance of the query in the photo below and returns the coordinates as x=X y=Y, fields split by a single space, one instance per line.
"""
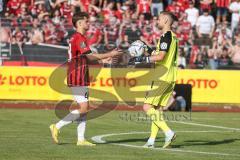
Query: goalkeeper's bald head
x=167 y=18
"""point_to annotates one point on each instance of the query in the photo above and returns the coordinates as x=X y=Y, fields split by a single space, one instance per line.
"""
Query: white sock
x=151 y=141
x=169 y=133
x=81 y=128
x=72 y=116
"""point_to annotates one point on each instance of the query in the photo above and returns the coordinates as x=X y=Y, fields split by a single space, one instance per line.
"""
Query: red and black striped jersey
x=78 y=72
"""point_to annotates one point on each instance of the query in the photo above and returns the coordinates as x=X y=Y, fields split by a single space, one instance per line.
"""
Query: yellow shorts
x=159 y=95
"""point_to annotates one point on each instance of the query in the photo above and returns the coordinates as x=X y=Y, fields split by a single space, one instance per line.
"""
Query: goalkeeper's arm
x=159 y=53
x=148 y=59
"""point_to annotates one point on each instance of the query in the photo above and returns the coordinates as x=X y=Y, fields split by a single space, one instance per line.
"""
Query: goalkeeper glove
x=140 y=59
x=148 y=49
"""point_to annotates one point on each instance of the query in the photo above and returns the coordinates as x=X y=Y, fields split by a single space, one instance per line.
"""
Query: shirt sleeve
x=82 y=46
x=231 y=7
x=212 y=20
x=198 y=21
x=165 y=42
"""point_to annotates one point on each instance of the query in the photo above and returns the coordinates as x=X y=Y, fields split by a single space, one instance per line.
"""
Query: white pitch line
x=206 y=125
x=99 y=139
x=236 y=119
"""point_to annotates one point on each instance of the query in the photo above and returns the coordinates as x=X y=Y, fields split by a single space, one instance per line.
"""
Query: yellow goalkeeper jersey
x=167 y=68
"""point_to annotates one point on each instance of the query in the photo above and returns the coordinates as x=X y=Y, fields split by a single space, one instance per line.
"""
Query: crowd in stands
x=208 y=30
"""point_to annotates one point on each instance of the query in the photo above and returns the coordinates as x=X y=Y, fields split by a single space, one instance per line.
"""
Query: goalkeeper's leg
x=158 y=123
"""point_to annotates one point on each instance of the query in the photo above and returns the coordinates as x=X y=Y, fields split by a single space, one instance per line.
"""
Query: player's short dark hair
x=171 y=16
x=79 y=16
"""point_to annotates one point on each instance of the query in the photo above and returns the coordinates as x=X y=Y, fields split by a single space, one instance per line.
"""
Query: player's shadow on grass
x=66 y=143
x=132 y=140
x=205 y=142
x=128 y=140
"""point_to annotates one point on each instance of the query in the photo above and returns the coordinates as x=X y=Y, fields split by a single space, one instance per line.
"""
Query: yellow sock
x=154 y=130
x=157 y=119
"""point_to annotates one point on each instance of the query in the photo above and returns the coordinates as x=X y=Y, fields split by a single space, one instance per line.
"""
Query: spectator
x=111 y=34
x=18 y=36
x=223 y=32
x=1 y=6
x=185 y=31
x=213 y=54
x=130 y=33
x=13 y=6
x=205 y=28
x=192 y=14
x=50 y=35
x=236 y=52
x=156 y=7
x=108 y=12
x=224 y=59
x=184 y=4
x=222 y=9
x=199 y=62
x=5 y=34
x=143 y=7
x=36 y=34
x=94 y=35
x=56 y=17
x=181 y=58
x=235 y=9
x=156 y=33
x=176 y=103
x=175 y=8
x=205 y=5
x=147 y=34
x=66 y=10
x=141 y=21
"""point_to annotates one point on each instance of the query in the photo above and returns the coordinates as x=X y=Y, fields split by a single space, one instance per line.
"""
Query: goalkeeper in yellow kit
x=164 y=77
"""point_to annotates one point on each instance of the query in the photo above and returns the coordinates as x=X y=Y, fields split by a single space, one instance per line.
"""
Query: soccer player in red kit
x=78 y=77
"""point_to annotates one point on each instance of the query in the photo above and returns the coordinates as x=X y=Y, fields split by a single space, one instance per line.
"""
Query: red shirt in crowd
x=186 y=27
x=223 y=3
x=107 y=13
x=78 y=72
x=93 y=35
x=85 y=4
x=175 y=8
x=13 y=6
x=194 y=53
x=205 y=5
x=65 y=10
x=144 y=6
x=184 y=4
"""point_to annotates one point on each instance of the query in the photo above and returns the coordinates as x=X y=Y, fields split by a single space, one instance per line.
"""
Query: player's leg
x=55 y=128
x=169 y=134
x=79 y=94
x=158 y=122
x=155 y=98
x=81 y=121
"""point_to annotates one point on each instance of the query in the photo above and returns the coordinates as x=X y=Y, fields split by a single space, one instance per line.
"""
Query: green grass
x=24 y=134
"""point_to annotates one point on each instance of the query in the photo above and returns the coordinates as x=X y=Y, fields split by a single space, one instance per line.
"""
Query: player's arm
x=160 y=52
x=85 y=50
x=96 y=56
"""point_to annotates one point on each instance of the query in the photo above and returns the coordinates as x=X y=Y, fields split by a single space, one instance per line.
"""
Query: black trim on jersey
x=165 y=41
x=86 y=78
x=87 y=52
x=76 y=68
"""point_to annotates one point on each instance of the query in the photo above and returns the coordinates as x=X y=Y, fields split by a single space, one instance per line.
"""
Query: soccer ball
x=137 y=48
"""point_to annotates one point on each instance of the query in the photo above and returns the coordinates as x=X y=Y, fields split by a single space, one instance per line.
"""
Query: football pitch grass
x=24 y=134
